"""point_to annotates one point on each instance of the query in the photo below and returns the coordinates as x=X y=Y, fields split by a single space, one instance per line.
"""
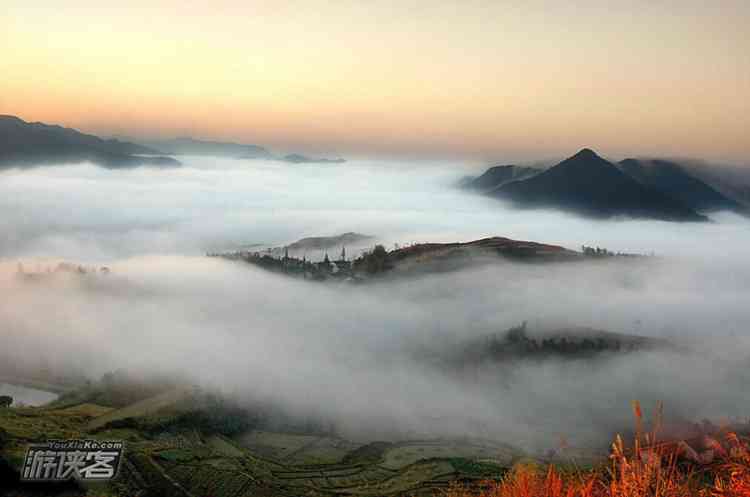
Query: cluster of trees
x=516 y=342
x=602 y=252
x=293 y=266
x=596 y=251
x=6 y=400
x=375 y=261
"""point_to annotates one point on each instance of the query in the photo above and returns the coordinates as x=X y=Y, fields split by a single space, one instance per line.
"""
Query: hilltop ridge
x=25 y=144
x=589 y=185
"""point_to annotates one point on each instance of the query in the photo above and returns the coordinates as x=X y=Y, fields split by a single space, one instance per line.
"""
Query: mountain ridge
x=187 y=145
x=589 y=185
x=496 y=176
x=674 y=180
x=32 y=144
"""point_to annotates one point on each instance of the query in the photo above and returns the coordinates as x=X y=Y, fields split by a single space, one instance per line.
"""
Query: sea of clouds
x=348 y=352
x=89 y=213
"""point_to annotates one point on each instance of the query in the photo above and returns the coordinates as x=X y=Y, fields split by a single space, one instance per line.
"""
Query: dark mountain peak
x=590 y=185
x=585 y=161
x=586 y=166
x=587 y=154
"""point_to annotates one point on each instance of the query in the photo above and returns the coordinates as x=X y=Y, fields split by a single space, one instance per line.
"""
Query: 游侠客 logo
x=59 y=460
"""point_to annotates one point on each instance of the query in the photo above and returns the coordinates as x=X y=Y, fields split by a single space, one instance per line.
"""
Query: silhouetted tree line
x=517 y=343
x=603 y=252
x=374 y=262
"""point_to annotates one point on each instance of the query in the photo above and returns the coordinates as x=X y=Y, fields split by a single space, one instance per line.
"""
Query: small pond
x=27 y=396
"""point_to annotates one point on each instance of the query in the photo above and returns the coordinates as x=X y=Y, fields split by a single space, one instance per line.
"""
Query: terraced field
x=379 y=468
x=409 y=453
x=189 y=463
x=294 y=449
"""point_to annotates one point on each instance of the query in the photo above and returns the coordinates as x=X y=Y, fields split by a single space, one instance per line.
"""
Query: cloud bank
x=348 y=353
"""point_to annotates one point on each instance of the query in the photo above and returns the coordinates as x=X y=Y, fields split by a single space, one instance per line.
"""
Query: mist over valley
x=327 y=350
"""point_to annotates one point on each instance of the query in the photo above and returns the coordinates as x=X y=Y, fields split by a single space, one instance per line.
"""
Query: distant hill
x=673 y=180
x=301 y=159
x=570 y=343
x=313 y=248
x=189 y=146
x=326 y=242
x=589 y=185
x=496 y=245
x=410 y=261
x=442 y=257
x=497 y=176
x=24 y=144
x=731 y=181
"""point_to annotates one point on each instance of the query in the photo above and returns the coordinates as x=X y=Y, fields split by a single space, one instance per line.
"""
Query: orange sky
x=504 y=79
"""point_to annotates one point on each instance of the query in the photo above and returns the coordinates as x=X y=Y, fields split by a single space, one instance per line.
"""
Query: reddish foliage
x=709 y=465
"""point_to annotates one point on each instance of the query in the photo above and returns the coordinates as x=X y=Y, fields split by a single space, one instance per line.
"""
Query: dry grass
x=711 y=465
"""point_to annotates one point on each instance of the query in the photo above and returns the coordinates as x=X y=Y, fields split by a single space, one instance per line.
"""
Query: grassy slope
x=184 y=463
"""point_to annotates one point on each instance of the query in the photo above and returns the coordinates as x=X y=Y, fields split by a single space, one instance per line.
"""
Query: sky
x=503 y=79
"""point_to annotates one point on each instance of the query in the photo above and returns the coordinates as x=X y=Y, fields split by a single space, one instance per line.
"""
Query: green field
x=166 y=455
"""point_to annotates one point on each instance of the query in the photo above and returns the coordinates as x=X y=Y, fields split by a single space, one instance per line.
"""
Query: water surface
x=27 y=396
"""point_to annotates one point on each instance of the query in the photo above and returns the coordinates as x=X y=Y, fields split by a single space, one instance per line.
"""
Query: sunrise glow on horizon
x=517 y=80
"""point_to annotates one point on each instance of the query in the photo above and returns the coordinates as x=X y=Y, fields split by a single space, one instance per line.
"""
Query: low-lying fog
x=89 y=213
x=347 y=352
